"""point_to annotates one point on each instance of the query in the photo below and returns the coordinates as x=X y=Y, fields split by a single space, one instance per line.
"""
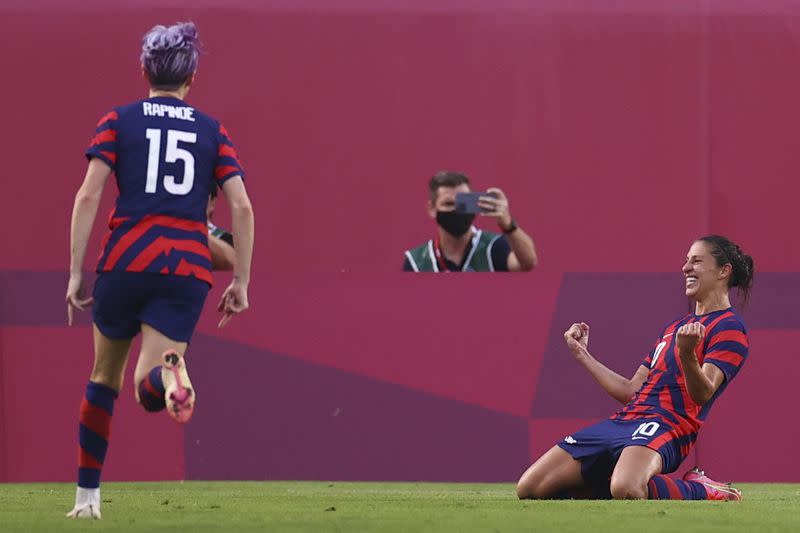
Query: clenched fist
x=689 y=336
x=577 y=338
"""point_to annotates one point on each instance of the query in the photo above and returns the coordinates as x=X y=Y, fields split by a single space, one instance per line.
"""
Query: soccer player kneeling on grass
x=154 y=271
x=666 y=401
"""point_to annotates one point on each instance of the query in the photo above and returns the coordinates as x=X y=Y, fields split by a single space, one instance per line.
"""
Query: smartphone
x=467 y=202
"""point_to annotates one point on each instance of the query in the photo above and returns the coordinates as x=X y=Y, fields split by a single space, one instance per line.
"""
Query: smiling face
x=703 y=275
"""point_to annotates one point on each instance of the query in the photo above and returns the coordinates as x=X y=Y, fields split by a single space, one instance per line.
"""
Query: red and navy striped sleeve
x=104 y=143
x=728 y=347
x=648 y=361
x=228 y=164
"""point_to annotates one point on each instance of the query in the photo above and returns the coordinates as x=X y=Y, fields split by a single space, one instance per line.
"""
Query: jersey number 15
x=174 y=153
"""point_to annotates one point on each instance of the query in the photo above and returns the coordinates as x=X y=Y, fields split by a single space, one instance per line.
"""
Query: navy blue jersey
x=664 y=393
x=167 y=156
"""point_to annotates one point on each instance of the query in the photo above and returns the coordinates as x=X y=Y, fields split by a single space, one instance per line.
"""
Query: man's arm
x=523 y=257
x=619 y=387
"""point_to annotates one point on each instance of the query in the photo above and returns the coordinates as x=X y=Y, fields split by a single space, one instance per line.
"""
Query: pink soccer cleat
x=715 y=489
x=178 y=392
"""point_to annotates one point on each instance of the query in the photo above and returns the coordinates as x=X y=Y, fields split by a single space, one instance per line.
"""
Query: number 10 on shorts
x=648 y=429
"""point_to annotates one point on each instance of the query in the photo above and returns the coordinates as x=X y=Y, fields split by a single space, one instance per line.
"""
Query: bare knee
x=524 y=489
x=527 y=491
x=636 y=465
x=532 y=487
x=626 y=489
x=551 y=474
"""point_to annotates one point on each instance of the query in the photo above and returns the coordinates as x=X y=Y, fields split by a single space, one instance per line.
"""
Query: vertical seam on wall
x=705 y=131
x=3 y=438
x=540 y=373
x=705 y=115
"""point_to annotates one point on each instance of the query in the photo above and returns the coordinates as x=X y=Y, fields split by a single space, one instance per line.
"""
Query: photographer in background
x=461 y=247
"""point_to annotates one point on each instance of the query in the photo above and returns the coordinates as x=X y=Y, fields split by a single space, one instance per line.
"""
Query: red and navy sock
x=662 y=487
x=151 y=391
x=94 y=430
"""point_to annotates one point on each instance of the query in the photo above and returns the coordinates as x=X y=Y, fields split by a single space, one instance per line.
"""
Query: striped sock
x=151 y=391
x=94 y=430
x=661 y=487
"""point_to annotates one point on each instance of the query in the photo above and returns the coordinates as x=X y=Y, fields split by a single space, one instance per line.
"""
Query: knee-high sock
x=94 y=431
x=661 y=487
x=151 y=391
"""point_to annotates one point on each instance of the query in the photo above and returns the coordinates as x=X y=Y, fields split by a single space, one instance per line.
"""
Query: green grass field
x=384 y=507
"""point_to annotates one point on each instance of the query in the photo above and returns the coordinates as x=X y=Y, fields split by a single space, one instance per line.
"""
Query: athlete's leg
x=161 y=376
x=550 y=476
x=168 y=320
x=633 y=478
x=635 y=467
x=110 y=360
x=154 y=344
x=97 y=408
x=660 y=448
x=663 y=487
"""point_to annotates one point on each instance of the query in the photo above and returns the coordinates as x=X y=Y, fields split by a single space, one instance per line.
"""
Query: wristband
x=511 y=228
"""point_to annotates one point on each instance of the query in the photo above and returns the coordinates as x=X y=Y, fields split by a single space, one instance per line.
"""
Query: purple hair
x=169 y=55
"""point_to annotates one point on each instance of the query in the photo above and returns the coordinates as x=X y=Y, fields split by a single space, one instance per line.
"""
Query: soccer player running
x=154 y=269
x=665 y=402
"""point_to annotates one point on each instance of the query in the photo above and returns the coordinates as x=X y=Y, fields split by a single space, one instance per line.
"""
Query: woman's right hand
x=233 y=301
x=74 y=298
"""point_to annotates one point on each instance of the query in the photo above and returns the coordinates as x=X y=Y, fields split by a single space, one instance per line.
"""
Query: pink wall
x=620 y=133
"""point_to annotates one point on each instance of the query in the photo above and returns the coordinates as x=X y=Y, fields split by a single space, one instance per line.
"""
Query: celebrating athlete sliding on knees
x=665 y=402
x=154 y=272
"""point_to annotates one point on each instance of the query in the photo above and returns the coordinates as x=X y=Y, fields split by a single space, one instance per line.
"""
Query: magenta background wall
x=620 y=133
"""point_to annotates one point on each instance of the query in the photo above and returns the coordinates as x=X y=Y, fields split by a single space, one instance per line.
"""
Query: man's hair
x=445 y=178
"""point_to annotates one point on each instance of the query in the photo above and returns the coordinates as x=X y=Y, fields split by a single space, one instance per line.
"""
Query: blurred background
x=620 y=130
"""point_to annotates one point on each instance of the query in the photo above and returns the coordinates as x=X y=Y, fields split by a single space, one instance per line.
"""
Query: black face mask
x=454 y=223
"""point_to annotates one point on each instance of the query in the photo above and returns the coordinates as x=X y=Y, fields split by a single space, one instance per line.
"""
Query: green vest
x=479 y=258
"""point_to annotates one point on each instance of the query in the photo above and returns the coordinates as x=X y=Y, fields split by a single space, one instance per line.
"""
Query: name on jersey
x=163 y=110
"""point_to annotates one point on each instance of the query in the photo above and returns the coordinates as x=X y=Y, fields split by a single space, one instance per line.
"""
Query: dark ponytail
x=727 y=252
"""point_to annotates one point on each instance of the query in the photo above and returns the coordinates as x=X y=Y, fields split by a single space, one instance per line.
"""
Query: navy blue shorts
x=599 y=446
x=169 y=304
